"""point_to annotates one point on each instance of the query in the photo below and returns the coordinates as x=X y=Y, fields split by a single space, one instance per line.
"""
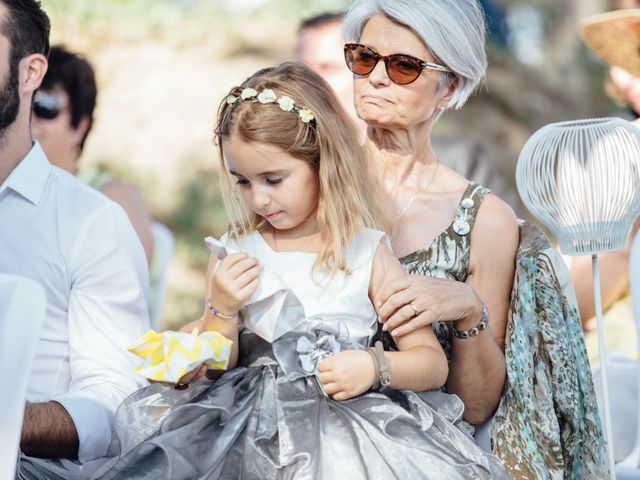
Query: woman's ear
x=449 y=90
x=32 y=70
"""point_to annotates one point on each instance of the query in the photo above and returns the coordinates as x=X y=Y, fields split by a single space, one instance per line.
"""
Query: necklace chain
x=274 y=238
x=413 y=197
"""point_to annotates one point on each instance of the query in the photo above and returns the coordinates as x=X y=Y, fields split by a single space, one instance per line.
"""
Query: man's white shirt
x=81 y=247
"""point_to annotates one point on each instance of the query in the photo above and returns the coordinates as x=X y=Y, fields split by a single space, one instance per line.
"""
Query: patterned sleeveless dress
x=448 y=254
x=547 y=424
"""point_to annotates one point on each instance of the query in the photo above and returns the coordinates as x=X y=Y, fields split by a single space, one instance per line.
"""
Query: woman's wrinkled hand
x=347 y=374
x=412 y=302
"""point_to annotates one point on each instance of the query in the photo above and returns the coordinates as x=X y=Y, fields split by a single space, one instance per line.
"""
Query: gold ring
x=415 y=310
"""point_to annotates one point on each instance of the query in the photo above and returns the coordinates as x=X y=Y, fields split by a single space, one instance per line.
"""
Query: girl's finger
x=242 y=266
x=247 y=277
x=331 y=389
x=326 y=377
x=230 y=260
x=340 y=396
x=325 y=365
x=246 y=291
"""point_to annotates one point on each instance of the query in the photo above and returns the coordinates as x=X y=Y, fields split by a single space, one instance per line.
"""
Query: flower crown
x=269 y=96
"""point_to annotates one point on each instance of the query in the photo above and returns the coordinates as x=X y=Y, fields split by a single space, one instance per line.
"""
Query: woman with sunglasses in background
x=62 y=119
x=412 y=61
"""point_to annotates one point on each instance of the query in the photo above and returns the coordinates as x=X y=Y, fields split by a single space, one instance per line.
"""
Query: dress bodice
x=294 y=297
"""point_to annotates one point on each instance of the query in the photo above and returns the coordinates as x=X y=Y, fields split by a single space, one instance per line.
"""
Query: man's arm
x=107 y=312
x=48 y=432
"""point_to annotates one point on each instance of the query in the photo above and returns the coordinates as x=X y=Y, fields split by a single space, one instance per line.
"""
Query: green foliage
x=199 y=214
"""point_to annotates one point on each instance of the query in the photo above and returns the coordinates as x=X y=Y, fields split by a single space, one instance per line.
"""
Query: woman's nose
x=378 y=76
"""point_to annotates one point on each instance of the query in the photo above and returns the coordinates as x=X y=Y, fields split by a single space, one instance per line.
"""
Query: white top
x=341 y=303
x=81 y=248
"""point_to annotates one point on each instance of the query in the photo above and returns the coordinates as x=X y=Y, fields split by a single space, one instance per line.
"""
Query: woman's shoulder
x=496 y=229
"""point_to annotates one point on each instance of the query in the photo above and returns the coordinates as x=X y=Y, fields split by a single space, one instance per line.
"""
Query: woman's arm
x=128 y=198
x=477 y=369
x=352 y=372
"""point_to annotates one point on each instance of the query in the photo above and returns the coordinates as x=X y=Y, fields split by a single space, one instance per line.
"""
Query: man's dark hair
x=27 y=27
x=75 y=76
x=321 y=20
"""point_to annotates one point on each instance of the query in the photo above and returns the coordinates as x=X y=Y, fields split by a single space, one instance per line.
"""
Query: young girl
x=295 y=291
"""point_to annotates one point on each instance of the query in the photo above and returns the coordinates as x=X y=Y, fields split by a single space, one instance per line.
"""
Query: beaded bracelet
x=218 y=313
x=473 y=331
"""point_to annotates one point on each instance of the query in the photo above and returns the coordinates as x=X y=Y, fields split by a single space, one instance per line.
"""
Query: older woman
x=413 y=60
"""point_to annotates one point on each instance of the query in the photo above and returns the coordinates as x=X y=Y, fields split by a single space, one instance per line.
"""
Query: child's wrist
x=223 y=313
x=375 y=384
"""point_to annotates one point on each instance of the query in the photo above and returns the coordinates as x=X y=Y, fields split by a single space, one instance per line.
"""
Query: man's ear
x=32 y=70
x=82 y=129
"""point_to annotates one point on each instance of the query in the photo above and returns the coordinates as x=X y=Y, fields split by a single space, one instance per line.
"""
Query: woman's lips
x=375 y=99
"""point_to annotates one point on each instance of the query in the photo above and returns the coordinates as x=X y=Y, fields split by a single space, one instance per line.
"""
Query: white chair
x=22 y=312
x=629 y=468
x=164 y=248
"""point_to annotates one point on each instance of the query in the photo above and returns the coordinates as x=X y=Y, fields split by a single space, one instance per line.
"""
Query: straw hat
x=615 y=37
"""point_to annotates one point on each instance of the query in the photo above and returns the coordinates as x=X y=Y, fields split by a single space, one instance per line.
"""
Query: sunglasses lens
x=360 y=59
x=46 y=106
x=403 y=70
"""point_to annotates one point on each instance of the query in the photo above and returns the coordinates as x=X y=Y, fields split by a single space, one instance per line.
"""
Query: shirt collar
x=30 y=176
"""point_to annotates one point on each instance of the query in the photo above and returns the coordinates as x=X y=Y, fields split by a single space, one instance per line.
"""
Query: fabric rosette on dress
x=269 y=417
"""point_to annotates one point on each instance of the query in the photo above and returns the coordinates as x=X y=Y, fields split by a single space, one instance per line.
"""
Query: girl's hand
x=194 y=375
x=234 y=282
x=347 y=374
x=411 y=302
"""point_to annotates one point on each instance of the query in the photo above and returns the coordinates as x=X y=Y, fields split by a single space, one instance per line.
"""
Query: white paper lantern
x=582 y=180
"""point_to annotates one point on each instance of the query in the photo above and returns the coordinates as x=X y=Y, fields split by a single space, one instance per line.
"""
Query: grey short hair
x=452 y=30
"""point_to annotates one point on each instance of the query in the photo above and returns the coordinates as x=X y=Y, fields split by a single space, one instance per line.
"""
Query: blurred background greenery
x=164 y=65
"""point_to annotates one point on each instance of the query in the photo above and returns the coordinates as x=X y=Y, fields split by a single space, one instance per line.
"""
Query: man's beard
x=9 y=99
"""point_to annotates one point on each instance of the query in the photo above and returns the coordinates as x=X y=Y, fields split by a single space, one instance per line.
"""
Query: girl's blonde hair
x=348 y=200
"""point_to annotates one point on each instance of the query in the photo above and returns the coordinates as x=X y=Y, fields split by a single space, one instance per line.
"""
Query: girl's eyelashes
x=242 y=181
x=269 y=180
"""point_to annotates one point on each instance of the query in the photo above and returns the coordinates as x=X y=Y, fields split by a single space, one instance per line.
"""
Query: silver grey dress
x=268 y=418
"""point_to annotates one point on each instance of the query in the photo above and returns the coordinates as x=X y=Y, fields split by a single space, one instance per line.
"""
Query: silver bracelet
x=473 y=331
x=218 y=313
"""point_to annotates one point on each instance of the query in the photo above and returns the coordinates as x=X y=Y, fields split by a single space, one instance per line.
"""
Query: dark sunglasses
x=46 y=105
x=401 y=69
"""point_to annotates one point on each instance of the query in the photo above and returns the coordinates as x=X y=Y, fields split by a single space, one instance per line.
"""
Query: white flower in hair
x=248 y=93
x=306 y=115
x=267 y=96
x=231 y=99
x=286 y=103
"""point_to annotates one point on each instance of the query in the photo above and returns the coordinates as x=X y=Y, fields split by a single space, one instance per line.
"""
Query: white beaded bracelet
x=218 y=313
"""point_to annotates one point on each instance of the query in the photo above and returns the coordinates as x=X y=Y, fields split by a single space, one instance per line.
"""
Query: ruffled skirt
x=256 y=422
